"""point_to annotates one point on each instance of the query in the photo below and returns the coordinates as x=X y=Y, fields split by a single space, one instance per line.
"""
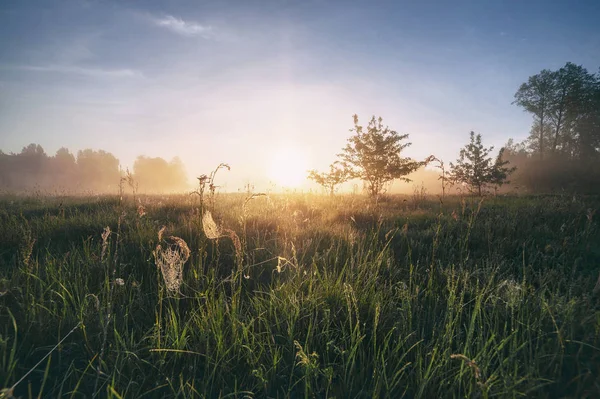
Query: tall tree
x=565 y=109
x=499 y=174
x=536 y=97
x=158 y=175
x=98 y=170
x=374 y=155
x=475 y=167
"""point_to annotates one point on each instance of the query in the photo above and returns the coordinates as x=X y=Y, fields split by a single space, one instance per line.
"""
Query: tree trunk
x=557 y=131
x=542 y=136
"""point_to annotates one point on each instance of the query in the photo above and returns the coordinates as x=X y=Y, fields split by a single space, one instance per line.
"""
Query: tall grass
x=318 y=297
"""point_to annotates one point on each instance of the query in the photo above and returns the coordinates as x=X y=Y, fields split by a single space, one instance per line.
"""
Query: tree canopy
x=91 y=170
x=373 y=154
x=476 y=169
x=337 y=175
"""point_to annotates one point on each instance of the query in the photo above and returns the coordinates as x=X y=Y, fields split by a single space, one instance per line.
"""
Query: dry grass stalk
x=26 y=251
x=471 y=364
x=590 y=214
x=236 y=242
x=161 y=232
x=105 y=235
x=214 y=232
x=597 y=286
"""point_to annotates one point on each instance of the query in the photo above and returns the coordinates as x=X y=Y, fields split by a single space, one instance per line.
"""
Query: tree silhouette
x=98 y=170
x=373 y=155
x=563 y=150
x=566 y=109
x=337 y=174
x=500 y=172
x=158 y=175
x=475 y=168
x=536 y=97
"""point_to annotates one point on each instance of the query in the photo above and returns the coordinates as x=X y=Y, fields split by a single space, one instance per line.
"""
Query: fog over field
x=299 y=199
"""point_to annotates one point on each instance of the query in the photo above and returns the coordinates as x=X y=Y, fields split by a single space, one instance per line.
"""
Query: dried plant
x=204 y=181
x=211 y=230
x=250 y=197
x=454 y=215
x=141 y=210
x=26 y=249
x=170 y=260
x=472 y=365
x=404 y=230
x=131 y=183
x=105 y=235
x=236 y=242
x=597 y=286
x=590 y=214
x=161 y=232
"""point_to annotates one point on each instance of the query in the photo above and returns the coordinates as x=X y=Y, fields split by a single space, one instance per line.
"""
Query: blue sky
x=238 y=82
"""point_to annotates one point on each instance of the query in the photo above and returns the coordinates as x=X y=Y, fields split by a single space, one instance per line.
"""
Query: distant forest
x=88 y=172
x=561 y=154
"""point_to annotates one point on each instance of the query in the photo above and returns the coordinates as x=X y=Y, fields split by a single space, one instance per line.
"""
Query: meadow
x=300 y=295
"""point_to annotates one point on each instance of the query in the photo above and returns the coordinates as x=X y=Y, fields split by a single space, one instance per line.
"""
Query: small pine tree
x=500 y=173
x=475 y=168
x=337 y=174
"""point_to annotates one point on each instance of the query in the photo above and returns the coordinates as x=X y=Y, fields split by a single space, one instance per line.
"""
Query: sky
x=259 y=83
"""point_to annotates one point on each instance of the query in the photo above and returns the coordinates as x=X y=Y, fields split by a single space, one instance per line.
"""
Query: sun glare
x=288 y=168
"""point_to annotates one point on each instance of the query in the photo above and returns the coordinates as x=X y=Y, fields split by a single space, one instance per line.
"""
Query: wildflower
x=119 y=282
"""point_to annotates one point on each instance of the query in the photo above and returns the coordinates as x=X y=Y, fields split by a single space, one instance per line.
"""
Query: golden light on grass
x=288 y=167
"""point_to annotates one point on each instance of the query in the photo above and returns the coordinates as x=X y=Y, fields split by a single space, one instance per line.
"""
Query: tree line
x=562 y=152
x=374 y=155
x=87 y=171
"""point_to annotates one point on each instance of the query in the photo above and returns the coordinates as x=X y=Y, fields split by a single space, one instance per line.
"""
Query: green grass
x=330 y=298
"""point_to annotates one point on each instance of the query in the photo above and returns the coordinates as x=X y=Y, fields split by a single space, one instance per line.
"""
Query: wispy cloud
x=184 y=28
x=69 y=69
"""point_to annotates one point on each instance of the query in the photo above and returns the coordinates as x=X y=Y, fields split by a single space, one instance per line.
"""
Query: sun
x=288 y=167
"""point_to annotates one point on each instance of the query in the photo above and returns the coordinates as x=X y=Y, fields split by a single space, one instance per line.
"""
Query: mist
x=87 y=171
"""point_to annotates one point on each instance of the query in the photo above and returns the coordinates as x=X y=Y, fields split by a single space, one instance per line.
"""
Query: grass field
x=300 y=296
